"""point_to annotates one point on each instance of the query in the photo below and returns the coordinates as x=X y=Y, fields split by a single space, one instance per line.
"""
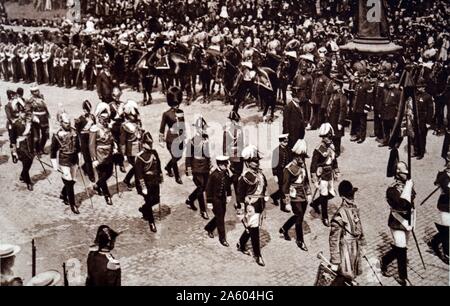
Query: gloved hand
x=144 y=191
x=95 y=163
x=275 y=178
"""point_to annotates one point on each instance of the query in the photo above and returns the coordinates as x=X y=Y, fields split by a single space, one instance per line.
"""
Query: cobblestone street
x=181 y=253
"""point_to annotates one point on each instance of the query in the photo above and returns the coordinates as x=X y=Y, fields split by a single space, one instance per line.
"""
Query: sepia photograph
x=224 y=148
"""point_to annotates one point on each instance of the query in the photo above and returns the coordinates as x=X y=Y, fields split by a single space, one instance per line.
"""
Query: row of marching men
x=115 y=131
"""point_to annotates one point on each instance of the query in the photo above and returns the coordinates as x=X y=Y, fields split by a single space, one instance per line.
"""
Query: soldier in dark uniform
x=15 y=109
x=66 y=65
x=297 y=192
x=361 y=104
x=40 y=119
x=76 y=71
x=252 y=187
x=443 y=205
x=346 y=237
x=174 y=120
x=57 y=68
x=101 y=148
x=102 y=268
x=83 y=125
x=198 y=164
x=318 y=92
x=233 y=143
x=379 y=96
x=425 y=112
x=303 y=84
x=294 y=121
x=7 y=258
x=336 y=113
x=22 y=146
x=148 y=177
x=105 y=85
x=117 y=118
x=400 y=197
x=389 y=108
x=67 y=143
x=281 y=157
x=218 y=193
x=130 y=138
x=324 y=170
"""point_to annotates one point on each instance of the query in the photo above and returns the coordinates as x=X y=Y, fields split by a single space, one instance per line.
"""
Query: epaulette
x=322 y=149
x=94 y=129
x=249 y=177
x=113 y=264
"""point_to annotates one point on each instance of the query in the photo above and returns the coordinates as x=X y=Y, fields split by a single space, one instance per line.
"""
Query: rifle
x=33 y=258
x=66 y=281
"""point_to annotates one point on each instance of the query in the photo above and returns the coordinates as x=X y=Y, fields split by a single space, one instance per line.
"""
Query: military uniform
x=101 y=148
x=336 y=114
x=296 y=190
x=117 y=119
x=40 y=120
x=361 y=103
x=77 y=79
x=217 y=191
x=130 y=144
x=83 y=125
x=67 y=143
x=198 y=162
x=175 y=136
x=66 y=65
x=425 y=112
x=346 y=238
x=388 y=111
x=102 y=269
x=22 y=148
x=318 y=92
x=233 y=143
x=400 y=197
x=324 y=166
x=303 y=83
x=281 y=157
x=148 y=177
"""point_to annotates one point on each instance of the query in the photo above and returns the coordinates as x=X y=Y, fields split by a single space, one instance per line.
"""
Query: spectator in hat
x=7 y=257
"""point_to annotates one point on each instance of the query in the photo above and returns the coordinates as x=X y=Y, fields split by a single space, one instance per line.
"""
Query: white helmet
x=326 y=130
x=300 y=147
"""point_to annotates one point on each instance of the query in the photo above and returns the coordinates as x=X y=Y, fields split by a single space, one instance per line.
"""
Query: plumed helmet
x=174 y=96
x=102 y=109
x=346 y=189
x=326 y=130
x=300 y=148
x=131 y=108
x=401 y=168
x=251 y=153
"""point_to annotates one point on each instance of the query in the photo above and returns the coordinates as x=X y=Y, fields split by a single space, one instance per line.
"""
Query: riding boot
x=387 y=259
x=71 y=196
x=402 y=258
x=63 y=195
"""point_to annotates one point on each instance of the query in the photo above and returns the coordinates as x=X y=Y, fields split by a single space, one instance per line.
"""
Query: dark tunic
x=68 y=145
x=398 y=205
x=102 y=270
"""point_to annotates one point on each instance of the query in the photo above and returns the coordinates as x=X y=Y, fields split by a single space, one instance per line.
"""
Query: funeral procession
x=224 y=143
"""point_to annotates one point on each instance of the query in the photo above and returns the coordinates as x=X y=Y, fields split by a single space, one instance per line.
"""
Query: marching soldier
x=83 y=126
x=40 y=119
x=252 y=187
x=425 y=113
x=22 y=145
x=346 y=238
x=67 y=143
x=218 y=193
x=7 y=258
x=297 y=192
x=117 y=118
x=148 y=176
x=400 y=197
x=336 y=113
x=14 y=109
x=175 y=136
x=281 y=157
x=130 y=138
x=324 y=170
x=101 y=148
x=442 y=236
x=233 y=143
x=102 y=268
x=198 y=164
